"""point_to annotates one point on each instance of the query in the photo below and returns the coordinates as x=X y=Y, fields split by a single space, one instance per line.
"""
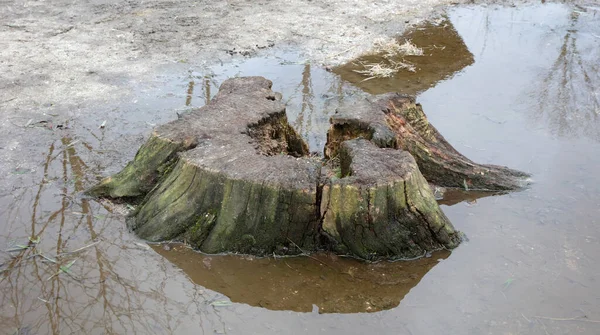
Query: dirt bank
x=70 y=59
x=69 y=53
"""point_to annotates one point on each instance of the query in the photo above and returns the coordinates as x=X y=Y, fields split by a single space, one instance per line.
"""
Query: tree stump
x=396 y=121
x=234 y=176
x=382 y=206
x=225 y=177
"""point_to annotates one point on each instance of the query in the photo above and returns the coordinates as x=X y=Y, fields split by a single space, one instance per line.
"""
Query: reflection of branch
x=101 y=300
x=307 y=103
x=190 y=93
x=568 y=97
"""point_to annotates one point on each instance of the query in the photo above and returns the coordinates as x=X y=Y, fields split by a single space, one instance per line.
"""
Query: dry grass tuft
x=383 y=70
x=379 y=70
x=409 y=49
x=392 y=52
x=392 y=48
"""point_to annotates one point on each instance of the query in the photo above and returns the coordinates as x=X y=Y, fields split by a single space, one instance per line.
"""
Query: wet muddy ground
x=529 y=98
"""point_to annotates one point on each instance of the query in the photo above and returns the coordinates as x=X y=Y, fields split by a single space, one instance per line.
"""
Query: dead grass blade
x=582 y=318
x=64 y=269
x=80 y=249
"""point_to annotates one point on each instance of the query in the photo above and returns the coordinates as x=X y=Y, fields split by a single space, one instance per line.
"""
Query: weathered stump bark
x=372 y=210
x=396 y=121
x=225 y=177
x=234 y=176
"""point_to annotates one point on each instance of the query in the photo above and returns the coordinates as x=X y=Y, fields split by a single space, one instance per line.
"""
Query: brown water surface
x=529 y=99
x=444 y=53
x=323 y=283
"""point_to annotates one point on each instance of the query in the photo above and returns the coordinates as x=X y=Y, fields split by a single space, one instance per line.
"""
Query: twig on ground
x=340 y=53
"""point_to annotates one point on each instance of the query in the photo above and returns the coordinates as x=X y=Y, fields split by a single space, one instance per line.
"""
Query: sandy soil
x=65 y=60
x=70 y=52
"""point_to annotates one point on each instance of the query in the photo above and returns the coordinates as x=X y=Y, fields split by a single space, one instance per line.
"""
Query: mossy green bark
x=234 y=176
x=153 y=160
x=385 y=214
x=215 y=213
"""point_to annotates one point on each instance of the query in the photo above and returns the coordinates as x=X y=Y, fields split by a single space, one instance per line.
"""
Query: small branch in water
x=64 y=269
x=309 y=256
x=65 y=148
x=582 y=318
x=77 y=250
x=43 y=256
x=490 y=119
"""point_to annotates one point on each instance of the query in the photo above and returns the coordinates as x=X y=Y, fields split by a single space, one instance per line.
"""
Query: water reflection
x=190 y=93
x=326 y=283
x=569 y=98
x=452 y=197
x=444 y=54
x=310 y=92
x=66 y=271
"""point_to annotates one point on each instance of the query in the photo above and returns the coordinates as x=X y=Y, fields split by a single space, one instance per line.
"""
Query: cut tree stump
x=225 y=177
x=382 y=205
x=234 y=176
x=396 y=121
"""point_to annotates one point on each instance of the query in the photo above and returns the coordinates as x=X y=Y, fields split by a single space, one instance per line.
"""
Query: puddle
x=310 y=92
x=520 y=89
x=444 y=54
x=323 y=283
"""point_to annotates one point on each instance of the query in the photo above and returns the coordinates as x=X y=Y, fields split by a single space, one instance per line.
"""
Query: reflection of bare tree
x=310 y=110
x=190 y=93
x=105 y=290
x=570 y=93
x=207 y=96
x=304 y=121
x=206 y=87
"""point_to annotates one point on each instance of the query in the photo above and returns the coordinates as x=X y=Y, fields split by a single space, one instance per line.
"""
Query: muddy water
x=529 y=100
x=321 y=283
x=310 y=92
x=444 y=54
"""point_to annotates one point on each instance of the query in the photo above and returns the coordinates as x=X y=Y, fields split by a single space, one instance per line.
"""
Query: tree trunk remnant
x=382 y=206
x=224 y=177
x=396 y=121
x=234 y=176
